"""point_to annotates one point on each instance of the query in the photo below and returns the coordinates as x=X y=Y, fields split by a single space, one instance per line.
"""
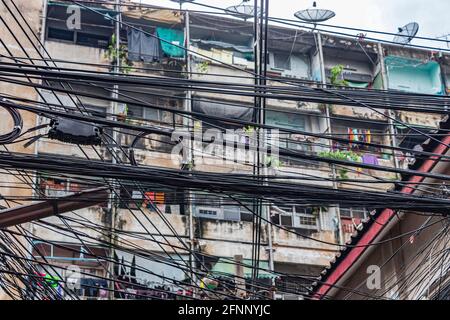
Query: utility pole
x=112 y=205
x=260 y=56
x=188 y=123
x=265 y=212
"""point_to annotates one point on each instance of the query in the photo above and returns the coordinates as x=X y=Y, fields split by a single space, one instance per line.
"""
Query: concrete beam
x=50 y=207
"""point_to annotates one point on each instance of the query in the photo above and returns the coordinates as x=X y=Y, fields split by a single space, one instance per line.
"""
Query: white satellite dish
x=407 y=33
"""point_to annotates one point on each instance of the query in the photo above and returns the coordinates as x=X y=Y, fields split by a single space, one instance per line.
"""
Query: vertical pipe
x=330 y=143
x=385 y=83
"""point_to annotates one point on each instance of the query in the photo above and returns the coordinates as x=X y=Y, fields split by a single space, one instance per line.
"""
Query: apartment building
x=220 y=49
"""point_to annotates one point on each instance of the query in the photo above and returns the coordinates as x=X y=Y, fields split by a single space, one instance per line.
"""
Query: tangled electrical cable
x=17 y=128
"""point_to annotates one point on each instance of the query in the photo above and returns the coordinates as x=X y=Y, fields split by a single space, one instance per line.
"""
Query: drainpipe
x=385 y=82
x=330 y=143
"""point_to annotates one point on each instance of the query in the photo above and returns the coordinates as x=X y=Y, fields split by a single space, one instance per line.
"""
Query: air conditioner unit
x=209 y=212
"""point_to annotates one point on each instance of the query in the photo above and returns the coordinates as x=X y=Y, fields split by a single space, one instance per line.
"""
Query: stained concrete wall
x=31 y=11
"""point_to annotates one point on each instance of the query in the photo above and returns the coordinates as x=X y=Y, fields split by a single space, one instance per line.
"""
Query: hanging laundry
x=143 y=47
x=369 y=159
x=171 y=41
x=350 y=135
x=368 y=136
x=355 y=135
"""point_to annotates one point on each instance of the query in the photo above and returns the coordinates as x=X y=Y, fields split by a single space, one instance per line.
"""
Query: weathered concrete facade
x=217 y=53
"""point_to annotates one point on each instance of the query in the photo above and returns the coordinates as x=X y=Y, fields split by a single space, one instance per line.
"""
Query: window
x=77 y=37
x=292 y=141
x=152 y=114
x=93 y=40
x=68 y=251
x=214 y=208
x=282 y=61
x=295 y=217
x=88 y=35
x=162 y=200
x=60 y=34
x=351 y=218
x=357 y=213
x=143 y=115
x=59 y=188
x=55 y=187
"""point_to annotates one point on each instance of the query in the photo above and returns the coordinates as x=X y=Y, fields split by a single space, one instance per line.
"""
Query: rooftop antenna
x=314 y=15
x=242 y=10
x=407 y=33
x=181 y=2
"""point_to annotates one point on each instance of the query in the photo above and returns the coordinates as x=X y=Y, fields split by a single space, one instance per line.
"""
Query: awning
x=227 y=267
x=163 y=16
x=224 y=45
x=353 y=84
x=223 y=110
x=171 y=41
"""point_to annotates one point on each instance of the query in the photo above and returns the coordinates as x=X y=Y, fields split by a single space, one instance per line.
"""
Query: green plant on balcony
x=341 y=155
x=120 y=55
x=336 y=76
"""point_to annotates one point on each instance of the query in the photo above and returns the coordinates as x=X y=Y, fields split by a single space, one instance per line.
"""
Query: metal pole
x=188 y=123
x=112 y=208
x=257 y=100
x=265 y=212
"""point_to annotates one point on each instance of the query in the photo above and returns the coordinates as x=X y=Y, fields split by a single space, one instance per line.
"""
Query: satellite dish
x=243 y=11
x=314 y=15
x=407 y=33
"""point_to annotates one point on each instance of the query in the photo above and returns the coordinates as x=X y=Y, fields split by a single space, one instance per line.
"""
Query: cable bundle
x=17 y=129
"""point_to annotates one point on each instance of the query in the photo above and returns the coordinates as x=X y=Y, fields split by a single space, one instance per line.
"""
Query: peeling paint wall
x=415 y=76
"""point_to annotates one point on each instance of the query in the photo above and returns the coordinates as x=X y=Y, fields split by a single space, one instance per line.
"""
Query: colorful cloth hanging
x=171 y=41
x=368 y=136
